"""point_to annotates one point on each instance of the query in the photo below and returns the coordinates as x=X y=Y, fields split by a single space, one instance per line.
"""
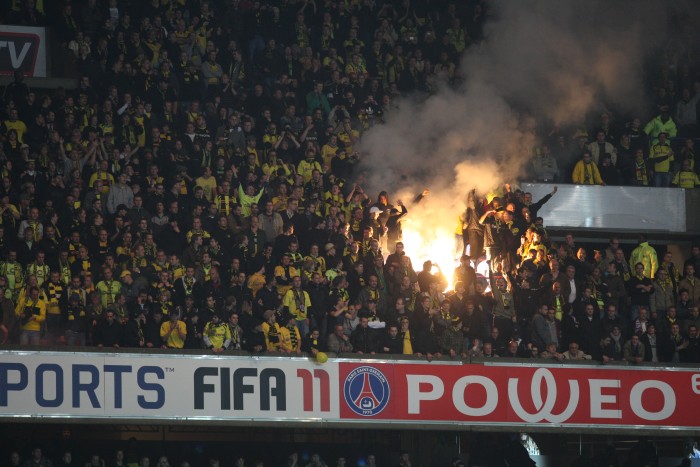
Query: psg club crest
x=366 y=391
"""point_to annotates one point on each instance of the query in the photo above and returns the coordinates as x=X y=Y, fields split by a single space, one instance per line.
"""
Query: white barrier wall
x=612 y=207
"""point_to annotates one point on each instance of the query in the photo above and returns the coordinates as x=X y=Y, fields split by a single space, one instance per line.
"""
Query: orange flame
x=425 y=241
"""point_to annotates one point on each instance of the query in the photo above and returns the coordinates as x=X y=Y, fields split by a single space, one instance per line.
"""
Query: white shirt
x=572 y=294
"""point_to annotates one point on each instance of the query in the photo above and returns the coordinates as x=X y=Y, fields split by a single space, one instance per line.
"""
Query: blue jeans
x=303 y=326
x=256 y=45
x=662 y=179
x=75 y=338
x=53 y=325
x=30 y=338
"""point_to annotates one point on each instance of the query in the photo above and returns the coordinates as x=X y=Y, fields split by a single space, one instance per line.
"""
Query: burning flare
x=427 y=238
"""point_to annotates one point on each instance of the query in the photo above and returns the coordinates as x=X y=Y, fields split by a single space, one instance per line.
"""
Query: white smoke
x=547 y=61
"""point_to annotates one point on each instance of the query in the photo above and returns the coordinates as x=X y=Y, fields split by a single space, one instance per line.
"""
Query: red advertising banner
x=517 y=395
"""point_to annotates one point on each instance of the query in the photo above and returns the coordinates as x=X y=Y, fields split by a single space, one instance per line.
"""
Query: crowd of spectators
x=656 y=154
x=38 y=458
x=484 y=450
x=199 y=188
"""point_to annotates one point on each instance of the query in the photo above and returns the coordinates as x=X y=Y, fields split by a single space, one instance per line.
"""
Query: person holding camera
x=31 y=311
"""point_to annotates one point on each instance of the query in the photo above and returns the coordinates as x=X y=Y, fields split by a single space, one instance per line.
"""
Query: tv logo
x=22 y=51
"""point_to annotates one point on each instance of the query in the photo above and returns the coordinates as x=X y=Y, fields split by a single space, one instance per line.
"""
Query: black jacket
x=364 y=339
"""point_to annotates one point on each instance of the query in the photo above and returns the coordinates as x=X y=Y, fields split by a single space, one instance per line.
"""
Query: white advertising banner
x=166 y=387
x=612 y=207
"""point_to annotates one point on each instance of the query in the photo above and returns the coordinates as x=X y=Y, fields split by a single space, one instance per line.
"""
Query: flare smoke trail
x=542 y=61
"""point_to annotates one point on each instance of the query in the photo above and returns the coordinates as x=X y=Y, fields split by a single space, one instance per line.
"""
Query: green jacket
x=646 y=255
x=656 y=126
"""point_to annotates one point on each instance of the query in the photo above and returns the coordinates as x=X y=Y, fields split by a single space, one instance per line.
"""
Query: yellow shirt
x=280 y=272
x=141 y=139
x=459 y=229
x=348 y=138
x=407 y=346
x=298 y=303
x=686 y=179
x=306 y=168
x=271 y=170
x=559 y=311
x=208 y=184
x=290 y=339
x=337 y=199
x=194 y=232
x=178 y=272
x=256 y=282
x=41 y=272
x=319 y=263
x=280 y=202
x=106 y=177
x=108 y=291
x=174 y=340
x=37 y=309
x=19 y=126
x=217 y=334
x=270 y=140
x=11 y=210
x=272 y=336
x=659 y=151
x=54 y=295
x=328 y=153
x=355 y=68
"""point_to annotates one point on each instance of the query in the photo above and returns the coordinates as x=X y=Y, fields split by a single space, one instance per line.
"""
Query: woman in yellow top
x=31 y=311
x=271 y=330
